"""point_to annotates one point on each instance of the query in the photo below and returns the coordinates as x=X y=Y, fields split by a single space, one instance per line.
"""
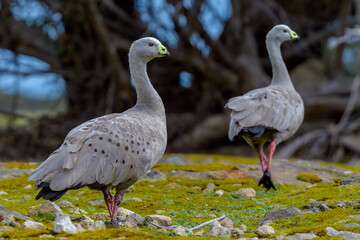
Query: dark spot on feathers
x=131 y=166
x=118 y=144
x=132 y=151
x=100 y=138
x=139 y=138
x=138 y=143
x=103 y=151
x=110 y=140
x=137 y=152
x=88 y=125
x=126 y=148
x=132 y=141
x=117 y=136
x=90 y=145
x=127 y=140
x=107 y=155
x=117 y=160
x=123 y=161
x=143 y=149
x=95 y=150
x=147 y=143
x=111 y=133
x=85 y=128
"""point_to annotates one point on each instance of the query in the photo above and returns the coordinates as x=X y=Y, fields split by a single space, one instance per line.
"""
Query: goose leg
x=109 y=200
x=118 y=199
x=266 y=179
x=262 y=158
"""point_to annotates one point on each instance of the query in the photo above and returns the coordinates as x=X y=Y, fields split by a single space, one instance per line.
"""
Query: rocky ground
x=194 y=196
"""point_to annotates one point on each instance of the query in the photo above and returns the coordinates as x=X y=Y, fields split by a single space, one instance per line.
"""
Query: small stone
x=28 y=187
x=217 y=231
x=279 y=215
x=180 y=231
x=199 y=233
x=197 y=188
x=342 y=234
x=82 y=211
x=219 y=192
x=65 y=204
x=101 y=216
x=246 y=192
x=264 y=231
x=122 y=213
x=132 y=199
x=173 y=185
x=152 y=186
x=300 y=236
x=356 y=216
x=45 y=209
x=209 y=188
x=254 y=238
x=23 y=199
x=323 y=207
x=154 y=175
x=236 y=233
x=125 y=225
x=130 y=189
x=96 y=202
x=3 y=193
x=159 y=211
x=80 y=193
x=350 y=225
x=311 y=200
x=158 y=219
x=64 y=224
x=46 y=236
x=79 y=228
x=227 y=222
x=161 y=231
x=243 y=227
x=5 y=228
x=135 y=220
x=99 y=225
x=30 y=225
x=86 y=222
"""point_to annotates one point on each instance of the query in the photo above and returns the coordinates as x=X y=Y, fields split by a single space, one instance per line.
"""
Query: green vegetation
x=308 y=177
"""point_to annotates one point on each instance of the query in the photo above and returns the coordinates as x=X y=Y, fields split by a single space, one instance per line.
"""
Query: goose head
x=281 y=33
x=148 y=48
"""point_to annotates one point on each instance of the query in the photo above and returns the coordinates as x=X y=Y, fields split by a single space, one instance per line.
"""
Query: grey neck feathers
x=147 y=97
x=280 y=73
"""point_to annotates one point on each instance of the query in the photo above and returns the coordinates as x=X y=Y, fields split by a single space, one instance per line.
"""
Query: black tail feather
x=48 y=194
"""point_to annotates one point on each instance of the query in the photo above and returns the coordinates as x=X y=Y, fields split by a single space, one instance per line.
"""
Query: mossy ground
x=189 y=207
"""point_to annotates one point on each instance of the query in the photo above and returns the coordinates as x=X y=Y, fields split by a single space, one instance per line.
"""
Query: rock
x=96 y=202
x=130 y=189
x=180 y=231
x=227 y=222
x=350 y=225
x=99 y=225
x=264 y=231
x=254 y=238
x=311 y=200
x=5 y=228
x=236 y=233
x=315 y=207
x=174 y=160
x=351 y=180
x=3 y=193
x=173 y=185
x=23 y=199
x=243 y=228
x=342 y=234
x=80 y=193
x=79 y=228
x=217 y=231
x=300 y=236
x=357 y=216
x=219 y=192
x=132 y=199
x=64 y=224
x=154 y=175
x=161 y=231
x=45 y=209
x=199 y=233
x=279 y=215
x=135 y=220
x=7 y=216
x=122 y=213
x=28 y=187
x=101 y=216
x=46 y=236
x=6 y=173
x=246 y=192
x=209 y=188
x=197 y=188
x=30 y=225
x=158 y=219
x=86 y=222
x=65 y=204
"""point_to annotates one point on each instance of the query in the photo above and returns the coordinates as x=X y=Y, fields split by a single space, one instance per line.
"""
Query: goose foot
x=110 y=224
x=267 y=181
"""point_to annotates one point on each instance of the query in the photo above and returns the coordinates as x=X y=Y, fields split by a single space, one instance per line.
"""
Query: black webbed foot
x=267 y=181
x=110 y=224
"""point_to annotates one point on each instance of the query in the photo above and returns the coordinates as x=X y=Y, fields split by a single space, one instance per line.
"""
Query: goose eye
x=284 y=30
x=150 y=44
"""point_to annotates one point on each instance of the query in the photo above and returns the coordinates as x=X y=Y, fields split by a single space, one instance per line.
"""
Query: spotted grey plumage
x=115 y=150
x=271 y=114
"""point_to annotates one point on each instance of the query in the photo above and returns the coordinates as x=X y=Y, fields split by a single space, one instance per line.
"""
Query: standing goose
x=115 y=150
x=271 y=114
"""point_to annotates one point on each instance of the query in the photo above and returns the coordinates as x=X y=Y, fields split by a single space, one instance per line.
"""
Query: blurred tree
x=217 y=52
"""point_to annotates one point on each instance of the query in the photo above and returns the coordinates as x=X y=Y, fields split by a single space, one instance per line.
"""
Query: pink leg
x=262 y=158
x=109 y=200
x=271 y=149
x=117 y=201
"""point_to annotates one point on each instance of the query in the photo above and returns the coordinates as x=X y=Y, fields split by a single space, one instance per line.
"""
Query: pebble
x=219 y=192
x=132 y=199
x=246 y=192
x=23 y=199
x=300 y=236
x=342 y=234
x=28 y=187
x=96 y=202
x=122 y=213
x=30 y=225
x=181 y=231
x=265 y=231
x=227 y=222
x=64 y=224
x=197 y=188
x=3 y=193
x=236 y=233
x=243 y=227
x=218 y=231
x=45 y=209
x=158 y=219
x=173 y=185
x=65 y=204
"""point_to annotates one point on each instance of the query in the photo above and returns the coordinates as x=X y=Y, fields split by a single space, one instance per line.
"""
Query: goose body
x=115 y=150
x=271 y=114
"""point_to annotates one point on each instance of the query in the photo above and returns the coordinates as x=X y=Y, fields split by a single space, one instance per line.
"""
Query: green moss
x=308 y=177
x=20 y=165
x=167 y=167
x=354 y=168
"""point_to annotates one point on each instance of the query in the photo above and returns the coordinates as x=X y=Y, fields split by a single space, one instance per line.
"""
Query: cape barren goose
x=271 y=114
x=115 y=150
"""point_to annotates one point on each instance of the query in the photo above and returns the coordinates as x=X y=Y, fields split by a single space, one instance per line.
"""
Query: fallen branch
x=208 y=222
